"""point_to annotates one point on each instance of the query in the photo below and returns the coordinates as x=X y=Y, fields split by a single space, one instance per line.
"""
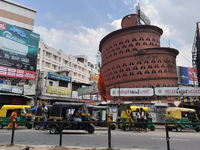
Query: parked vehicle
x=65 y=112
x=181 y=115
x=38 y=116
x=25 y=115
x=98 y=114
x=124 y=116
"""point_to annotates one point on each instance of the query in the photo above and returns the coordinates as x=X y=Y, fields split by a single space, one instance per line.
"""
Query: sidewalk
x=49 y=147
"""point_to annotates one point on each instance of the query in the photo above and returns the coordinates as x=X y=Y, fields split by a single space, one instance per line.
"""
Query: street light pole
x=119 y=89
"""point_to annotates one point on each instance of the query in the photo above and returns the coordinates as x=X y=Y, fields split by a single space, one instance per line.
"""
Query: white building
x=76 y=67
x=17 y=14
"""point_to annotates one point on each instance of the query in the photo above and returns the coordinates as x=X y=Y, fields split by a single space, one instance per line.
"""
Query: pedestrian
x=44 y=117
x=145 y=120
x=14 y=119
x=138 y=115
x=129 y=117
x=142 y=114
x=18 y=117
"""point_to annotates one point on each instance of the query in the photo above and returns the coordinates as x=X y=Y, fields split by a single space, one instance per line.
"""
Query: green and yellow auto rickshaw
x=25 y=115
x=98 y=114
x=181 y=115
x=63 y=111
x=126 y=126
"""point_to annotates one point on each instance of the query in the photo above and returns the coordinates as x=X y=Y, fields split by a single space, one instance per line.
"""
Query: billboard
x=59 y=76
x=94 y=77
x=131 y=92
x=18 y=52
x=58 y=90
x=177 y=91
x=187 y=75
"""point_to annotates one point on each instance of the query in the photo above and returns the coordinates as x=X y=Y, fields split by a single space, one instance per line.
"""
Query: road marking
x=171 y=139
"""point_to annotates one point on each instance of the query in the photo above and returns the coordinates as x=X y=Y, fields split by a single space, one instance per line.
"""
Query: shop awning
x=17 y=95
x=57 y=98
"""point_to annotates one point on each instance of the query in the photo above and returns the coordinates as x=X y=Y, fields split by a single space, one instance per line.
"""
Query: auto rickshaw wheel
x=53 y=130
x=178 y=128
x=152 y=128
x=29 y=126
x=91 y=130
x=197 y=129
x=119 y=124
x=113 y=127
x=37 y=127
x=1 y=126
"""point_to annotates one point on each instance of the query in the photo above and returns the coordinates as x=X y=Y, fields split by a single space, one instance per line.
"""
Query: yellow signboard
x=94 y=77
x=58 y=90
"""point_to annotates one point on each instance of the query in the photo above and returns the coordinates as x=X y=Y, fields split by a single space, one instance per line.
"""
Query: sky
x=77 y=26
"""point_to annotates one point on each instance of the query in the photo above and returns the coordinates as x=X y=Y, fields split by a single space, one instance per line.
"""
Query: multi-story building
x=17 y=14
x=76 y=68
x=15 y=65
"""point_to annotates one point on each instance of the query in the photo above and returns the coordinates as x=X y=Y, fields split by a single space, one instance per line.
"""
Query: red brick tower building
x=132 y=57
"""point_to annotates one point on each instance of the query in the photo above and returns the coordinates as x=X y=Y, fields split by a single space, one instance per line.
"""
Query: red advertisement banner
x=17 y=73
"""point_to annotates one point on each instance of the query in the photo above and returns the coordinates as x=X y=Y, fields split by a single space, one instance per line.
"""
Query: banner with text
x=18 y=52
x=177 y=91
x=132 y=92
x=58 y=90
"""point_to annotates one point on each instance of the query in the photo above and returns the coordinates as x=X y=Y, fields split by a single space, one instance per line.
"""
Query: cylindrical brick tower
x=132 y=57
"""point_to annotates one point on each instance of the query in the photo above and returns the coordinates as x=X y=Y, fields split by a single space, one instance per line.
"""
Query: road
x=152 y=140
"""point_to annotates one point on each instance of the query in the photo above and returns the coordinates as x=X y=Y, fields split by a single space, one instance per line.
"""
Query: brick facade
x=132 y=56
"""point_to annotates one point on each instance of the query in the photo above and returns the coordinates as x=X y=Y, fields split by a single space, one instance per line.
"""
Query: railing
x=109 y=128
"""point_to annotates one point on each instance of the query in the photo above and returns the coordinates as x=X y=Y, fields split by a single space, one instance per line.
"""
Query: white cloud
x=109 y=16
x=78 y=40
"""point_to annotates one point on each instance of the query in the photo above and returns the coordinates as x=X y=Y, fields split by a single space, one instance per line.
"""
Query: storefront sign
x=132 y=92
x=17 y=89
x=5 y=87
x=59 y=76
x=177 y=91
x=58 y=90
x=94 y=77
x=29 y=89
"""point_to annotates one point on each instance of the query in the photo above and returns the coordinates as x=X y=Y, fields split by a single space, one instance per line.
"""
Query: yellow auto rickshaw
x=181 y=115
x=124 y=116
x=25 y=115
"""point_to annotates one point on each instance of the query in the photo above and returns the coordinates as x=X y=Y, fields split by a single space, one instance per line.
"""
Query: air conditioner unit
x=12 y=46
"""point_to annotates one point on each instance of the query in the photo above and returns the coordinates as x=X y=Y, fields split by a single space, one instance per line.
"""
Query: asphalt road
x=152 y=140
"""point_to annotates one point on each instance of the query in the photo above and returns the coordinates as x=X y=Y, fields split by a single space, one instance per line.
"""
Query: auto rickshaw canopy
x=134 y=108
x=175 y=112
x=4 y=108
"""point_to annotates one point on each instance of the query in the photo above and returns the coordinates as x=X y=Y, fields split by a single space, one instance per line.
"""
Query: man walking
x=44 y=116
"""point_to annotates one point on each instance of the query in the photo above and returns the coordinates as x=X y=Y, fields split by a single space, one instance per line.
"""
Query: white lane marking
x=171 y=139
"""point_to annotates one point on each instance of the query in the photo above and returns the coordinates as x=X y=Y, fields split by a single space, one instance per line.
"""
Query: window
x=54 y=57
x=47 y=64
x=54 y=67
x=48 y=55
x=50 y=83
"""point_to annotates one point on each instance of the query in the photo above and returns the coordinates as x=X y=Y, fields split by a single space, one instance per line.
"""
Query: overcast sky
x=77 y=26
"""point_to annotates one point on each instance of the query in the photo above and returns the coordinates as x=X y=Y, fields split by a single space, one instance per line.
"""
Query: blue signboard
x=59 y=76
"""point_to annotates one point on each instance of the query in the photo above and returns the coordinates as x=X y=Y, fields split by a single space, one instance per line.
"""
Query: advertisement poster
x=182 y=75
x=192 y=73
x=18 y=52
x=94 y=77
x=132 y=92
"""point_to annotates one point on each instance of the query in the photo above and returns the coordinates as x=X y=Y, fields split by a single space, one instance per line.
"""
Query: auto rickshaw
x=98 y=114
x=124 y=116
x=62 y=111
x=38 y=116
x=181 y=115
x=26 y=115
